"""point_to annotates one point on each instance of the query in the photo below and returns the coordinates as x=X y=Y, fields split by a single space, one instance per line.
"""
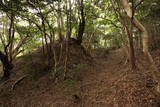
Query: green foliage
x=102 y=27
x=149 y=10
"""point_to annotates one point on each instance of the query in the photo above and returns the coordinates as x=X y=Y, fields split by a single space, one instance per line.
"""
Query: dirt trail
x=113 y=84
x=98 y=89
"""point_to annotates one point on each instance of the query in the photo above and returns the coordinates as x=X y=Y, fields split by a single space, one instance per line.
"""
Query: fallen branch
x=18 y=81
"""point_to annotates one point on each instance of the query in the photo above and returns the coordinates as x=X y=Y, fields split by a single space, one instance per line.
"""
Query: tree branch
x=138 y=4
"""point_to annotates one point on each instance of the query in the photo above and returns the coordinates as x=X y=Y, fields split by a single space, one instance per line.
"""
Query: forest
x=79 y=53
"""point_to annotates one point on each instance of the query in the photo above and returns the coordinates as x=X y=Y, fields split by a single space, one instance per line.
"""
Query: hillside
x=107 y=82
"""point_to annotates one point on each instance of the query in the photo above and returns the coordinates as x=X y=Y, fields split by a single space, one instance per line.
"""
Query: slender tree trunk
x=81 y=23
x=60 y=22
x=46 y=41
x=69 y=19
x=11 y=34
x=144 y=33
x=69 y=31
x=131 y=49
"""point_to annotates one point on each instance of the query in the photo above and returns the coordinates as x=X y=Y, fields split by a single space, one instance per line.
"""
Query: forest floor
x=109 y=82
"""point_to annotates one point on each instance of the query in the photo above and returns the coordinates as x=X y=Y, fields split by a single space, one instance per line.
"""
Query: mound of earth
x=31 y=73
x=38 y=63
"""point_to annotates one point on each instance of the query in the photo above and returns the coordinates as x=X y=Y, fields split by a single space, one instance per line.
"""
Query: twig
x=138 y=4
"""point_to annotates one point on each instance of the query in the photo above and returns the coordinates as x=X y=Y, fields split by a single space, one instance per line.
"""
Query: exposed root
x=18 y=81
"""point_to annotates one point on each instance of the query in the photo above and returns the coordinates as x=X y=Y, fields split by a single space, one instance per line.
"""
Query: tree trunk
x=60 y=23
x=131 y=49
x=144 y=33
x=145 y=39
x=7 y=65
x=81 y=23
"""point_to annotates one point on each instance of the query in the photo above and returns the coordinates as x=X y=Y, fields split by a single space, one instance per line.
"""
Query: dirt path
x=112 y=84
x=98 y=89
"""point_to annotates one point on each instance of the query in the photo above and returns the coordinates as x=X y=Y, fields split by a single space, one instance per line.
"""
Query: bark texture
x=143 y=30
x=7 y=65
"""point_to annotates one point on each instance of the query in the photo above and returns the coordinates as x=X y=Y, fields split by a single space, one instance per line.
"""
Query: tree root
x=18 y=81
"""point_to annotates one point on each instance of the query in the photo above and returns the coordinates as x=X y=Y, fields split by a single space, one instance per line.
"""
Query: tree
x=144 y=33
x=7 y=36
x=82 y=22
